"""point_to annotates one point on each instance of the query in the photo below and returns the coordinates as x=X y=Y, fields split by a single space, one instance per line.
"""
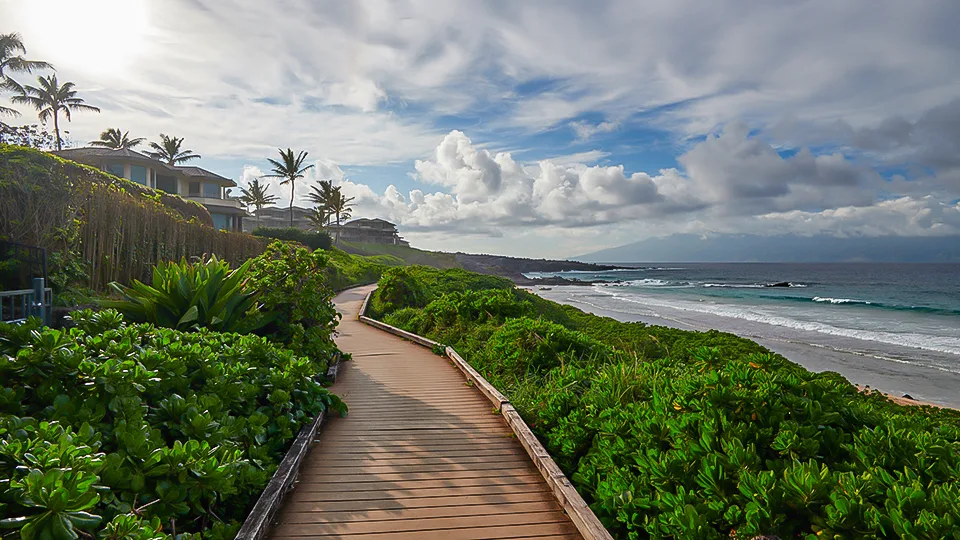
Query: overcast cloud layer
x=550 y=128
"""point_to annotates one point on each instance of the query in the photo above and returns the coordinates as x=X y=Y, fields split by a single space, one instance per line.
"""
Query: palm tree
x=320 y=196
x=318 y=218
x=256 y=195
x=10 y=44
x=289 y=168
x=339 y=207
x=168 y=150
x=114 y=138
x=49 y=98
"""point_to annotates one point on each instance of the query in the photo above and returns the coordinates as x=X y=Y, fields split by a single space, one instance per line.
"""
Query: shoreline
x=868 y=373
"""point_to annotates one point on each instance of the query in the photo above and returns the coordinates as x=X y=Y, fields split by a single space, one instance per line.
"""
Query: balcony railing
x=215 y=202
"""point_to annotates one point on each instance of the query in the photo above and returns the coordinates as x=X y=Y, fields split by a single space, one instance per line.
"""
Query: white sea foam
x=944 y=344
x=840 y=300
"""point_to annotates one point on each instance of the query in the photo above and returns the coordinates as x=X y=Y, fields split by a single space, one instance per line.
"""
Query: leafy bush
x=671 y=433
x=416 y=286
x=311 y=239
x=291 y=283
x=184 y=295
x=131 y=431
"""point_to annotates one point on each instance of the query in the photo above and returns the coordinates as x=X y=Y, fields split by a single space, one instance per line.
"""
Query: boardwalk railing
x=573 y=504
x=17 y=306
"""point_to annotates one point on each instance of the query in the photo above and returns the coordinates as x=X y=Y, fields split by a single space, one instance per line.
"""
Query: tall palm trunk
x=56 y=127
x=292 y=191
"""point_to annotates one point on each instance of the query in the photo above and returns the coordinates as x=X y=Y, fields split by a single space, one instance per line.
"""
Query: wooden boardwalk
x=420 y=455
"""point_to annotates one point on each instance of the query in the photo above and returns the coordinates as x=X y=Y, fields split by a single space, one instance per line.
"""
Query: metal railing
x=17 y=306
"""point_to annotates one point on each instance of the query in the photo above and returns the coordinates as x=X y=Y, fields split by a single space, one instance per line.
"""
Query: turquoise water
x=903 y=312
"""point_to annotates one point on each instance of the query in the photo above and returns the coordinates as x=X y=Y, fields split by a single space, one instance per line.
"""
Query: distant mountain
x=786 y=248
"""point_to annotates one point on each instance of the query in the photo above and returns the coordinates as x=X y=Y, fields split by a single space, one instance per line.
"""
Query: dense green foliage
x=183 y=295
x=671 y=433
x=311 y=239
x=416 y=286
x=123 y=430
x=291 y=284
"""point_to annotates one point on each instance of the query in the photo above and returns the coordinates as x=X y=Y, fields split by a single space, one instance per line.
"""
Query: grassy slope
x=408 y=255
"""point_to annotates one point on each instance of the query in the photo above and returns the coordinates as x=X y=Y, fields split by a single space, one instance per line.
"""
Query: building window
x=138 y=174
x=211 y=190
x=194 y=189
x=167 y=183
x=220 y=221
x=115 y=169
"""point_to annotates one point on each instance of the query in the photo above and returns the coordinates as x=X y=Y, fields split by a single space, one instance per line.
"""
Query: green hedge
x=676 y=434
x=311 y=239
x=119 y=430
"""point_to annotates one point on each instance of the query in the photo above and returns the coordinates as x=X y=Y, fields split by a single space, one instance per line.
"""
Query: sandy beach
x=895 y=378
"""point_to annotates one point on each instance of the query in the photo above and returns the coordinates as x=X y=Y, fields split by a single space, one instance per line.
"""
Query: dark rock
x=779 y=284
x=908 y=396
x=513 y=268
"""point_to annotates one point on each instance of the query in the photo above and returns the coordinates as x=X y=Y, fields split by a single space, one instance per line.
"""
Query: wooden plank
x=437 y=494
x=336 y=505
x=310 y=476
x=375 y=470
x=338 y=460
x=424 y=524
x=291 y=515
x=549 y=530
x=433 y=483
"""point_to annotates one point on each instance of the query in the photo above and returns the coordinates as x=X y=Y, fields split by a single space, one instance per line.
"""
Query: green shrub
x=114 y=429
x=291 y=283
x=311 y=239
x=397 y=289
x=184 y=295
x=676 y=434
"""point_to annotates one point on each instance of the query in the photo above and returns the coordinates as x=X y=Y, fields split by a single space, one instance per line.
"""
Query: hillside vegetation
x=409 y=255
x=679 y=434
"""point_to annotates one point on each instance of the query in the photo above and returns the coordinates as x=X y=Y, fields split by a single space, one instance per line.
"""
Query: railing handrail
x=36 y=302
x=18 y=292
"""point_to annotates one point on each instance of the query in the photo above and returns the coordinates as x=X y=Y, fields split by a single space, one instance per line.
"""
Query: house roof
x=109 y=153
x=368 y=220
x=199 y=172
x=96 y=152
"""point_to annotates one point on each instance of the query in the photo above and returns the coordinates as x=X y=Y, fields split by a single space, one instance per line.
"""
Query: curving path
x=420 y=455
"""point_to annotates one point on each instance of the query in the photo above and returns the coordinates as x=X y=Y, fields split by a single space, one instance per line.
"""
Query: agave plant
x=186 y=295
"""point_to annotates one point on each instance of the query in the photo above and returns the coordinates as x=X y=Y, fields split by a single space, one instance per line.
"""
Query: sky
x=543 y=128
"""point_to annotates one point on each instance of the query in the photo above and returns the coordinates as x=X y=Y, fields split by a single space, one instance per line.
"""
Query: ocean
x=895 y=327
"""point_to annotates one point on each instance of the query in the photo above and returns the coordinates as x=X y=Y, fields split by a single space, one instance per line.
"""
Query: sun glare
x=101 y=36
